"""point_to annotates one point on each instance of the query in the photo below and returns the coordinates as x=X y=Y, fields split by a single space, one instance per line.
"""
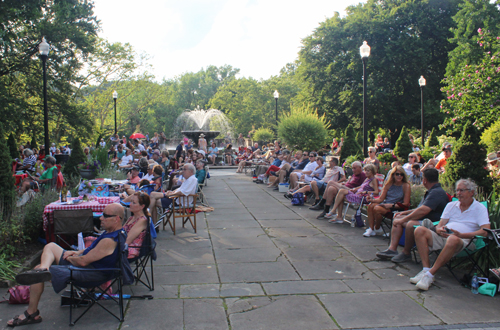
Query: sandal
x=34 y=276
x=29 y=319
x=495 y=272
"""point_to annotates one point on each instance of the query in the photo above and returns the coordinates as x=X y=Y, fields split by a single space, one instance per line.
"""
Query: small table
x=96 y=205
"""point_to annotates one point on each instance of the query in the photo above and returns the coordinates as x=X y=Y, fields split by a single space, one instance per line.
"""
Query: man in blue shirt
x=103 y=253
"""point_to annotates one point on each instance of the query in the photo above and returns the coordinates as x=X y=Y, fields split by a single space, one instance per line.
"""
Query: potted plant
x=89 y=168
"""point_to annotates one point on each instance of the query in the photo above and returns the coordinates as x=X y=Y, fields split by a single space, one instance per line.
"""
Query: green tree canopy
x=70 y=28
x=473 y=92
x=407 y=38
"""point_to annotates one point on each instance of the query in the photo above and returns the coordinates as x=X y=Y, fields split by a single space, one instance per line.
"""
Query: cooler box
x=283 y=187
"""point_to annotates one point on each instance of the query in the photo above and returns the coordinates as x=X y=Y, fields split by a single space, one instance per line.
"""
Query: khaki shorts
x=438 y=243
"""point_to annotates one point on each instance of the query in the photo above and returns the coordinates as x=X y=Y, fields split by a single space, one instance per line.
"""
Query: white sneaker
x=425 y=282
x=369 y=232
x=417 y=277
x=379 y=231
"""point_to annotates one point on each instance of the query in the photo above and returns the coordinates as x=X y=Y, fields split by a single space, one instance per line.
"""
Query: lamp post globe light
x=276 y=97
x=44 y=49
x=421 y=82
x=364 y=51
x=115 y=96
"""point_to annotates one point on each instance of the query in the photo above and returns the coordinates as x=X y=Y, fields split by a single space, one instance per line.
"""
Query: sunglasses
x=108 y=215
x=398 y=174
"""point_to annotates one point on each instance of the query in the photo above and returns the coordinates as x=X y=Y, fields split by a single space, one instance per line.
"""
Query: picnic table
x=96 y=205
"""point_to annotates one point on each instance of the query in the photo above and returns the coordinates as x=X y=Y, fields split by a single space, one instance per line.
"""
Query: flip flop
x=34 y=276
x=495 y=272
x=29 y=319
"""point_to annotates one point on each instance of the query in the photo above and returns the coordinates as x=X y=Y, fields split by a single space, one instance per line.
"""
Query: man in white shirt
x=297 y=174
x=460 y=222
x=188 y=187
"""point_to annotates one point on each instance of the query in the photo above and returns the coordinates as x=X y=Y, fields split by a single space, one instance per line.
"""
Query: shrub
x=351 y=147
x=302 y=127
x=359 y=139
x=428 y=153
x=32 y=213
x=468 y=160
x=417 y=193
x=349 y=160
x=432 y=140
x=12 y=145
x=403 y=145
x=77 y=156
x=491 y=137
x=7 y=192
x=101 y=156
x=263 y=135
x=387 y=158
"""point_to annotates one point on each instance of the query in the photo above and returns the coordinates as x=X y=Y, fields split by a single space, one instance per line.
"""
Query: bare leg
x=409 y=235
x=423 y=238
x=51 y=254
x=396 y=233
x=303 y=190
x=293 y=180
x=378 y=213
x=155 y=198
x=452 y=246
x=339 y=200
x=371 y=217
x=332 y=192
x=314 y=188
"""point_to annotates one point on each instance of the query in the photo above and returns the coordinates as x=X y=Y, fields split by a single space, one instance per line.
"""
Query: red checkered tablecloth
x=96 y=206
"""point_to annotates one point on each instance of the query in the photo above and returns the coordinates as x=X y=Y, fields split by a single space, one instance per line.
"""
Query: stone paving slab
x=356 y=310
x=186 y=274
x=287 y=313
x=200 y=256
x=305 y=287
x=257 y=272
x=342 y=268
x=254 y=254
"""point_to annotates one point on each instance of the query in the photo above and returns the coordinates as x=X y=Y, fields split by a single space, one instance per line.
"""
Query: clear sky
x=257 y=36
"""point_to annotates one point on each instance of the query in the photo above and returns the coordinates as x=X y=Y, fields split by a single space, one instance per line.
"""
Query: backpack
x=298 y=199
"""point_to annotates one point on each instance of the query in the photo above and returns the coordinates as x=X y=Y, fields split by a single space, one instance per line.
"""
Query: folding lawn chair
x=146 y=256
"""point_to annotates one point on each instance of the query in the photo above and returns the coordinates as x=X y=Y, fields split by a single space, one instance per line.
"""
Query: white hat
x=492 y=157
x=201 y=152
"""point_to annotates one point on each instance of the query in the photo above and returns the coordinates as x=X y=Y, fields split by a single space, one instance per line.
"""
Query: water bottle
x=474 y=284
x=353 y=222
x=68 y=195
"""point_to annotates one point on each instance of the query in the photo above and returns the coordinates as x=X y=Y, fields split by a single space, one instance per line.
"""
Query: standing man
x=202 y=143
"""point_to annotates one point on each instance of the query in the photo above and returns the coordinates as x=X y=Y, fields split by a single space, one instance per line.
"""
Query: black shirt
x=436 y=199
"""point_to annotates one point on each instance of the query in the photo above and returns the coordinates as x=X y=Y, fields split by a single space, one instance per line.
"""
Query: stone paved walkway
x=259 y=263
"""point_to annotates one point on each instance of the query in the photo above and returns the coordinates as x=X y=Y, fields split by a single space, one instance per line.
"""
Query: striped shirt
x=31 y=161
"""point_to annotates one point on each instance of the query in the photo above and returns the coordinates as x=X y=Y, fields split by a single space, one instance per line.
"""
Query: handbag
x=19 y=294
x=357 y=216
x=298 y=199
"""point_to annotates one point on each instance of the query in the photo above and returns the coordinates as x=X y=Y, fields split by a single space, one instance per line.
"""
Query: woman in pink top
x=137 y=224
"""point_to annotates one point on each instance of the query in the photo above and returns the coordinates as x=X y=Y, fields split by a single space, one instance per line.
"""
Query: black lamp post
x=364 y=51
x=421 y=82
x=44 y=49
x=115 y=96
x=276 y=97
